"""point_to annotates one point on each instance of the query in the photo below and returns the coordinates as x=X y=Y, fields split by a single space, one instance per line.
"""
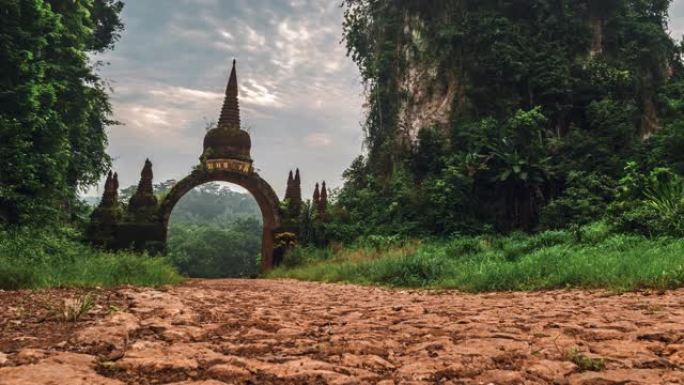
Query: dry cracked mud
x=287 y=332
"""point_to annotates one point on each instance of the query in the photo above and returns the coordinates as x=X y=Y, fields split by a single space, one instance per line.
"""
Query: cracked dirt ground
x=287 y=332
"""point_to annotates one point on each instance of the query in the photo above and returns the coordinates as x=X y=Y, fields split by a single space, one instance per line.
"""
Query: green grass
x=590 y=258
x=32 y=259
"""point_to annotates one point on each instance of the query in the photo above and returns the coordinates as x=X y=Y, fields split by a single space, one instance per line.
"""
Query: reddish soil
x=286 y=332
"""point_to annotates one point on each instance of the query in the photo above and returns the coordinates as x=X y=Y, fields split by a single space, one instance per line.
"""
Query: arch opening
x=215 y=231
x=266 y=199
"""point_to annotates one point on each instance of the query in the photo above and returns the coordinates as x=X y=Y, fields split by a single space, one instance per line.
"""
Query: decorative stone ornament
x=227 y=146
x=143 y=200
x=107 y=216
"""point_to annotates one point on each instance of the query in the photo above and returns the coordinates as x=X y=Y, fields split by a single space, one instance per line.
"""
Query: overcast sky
x=301 y=97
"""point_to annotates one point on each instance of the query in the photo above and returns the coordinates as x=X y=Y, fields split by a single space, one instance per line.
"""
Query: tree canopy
x=546 y=98
x=54 y=107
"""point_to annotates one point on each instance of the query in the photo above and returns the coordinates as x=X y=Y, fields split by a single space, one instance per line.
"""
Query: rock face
x=432 y=100
x=285 y=332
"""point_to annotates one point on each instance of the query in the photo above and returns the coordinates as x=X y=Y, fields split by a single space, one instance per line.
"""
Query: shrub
x=299 y=256
x=584 y=200
x=417 y=270
x=650 y=203
x=40 y=258
x=549 y=260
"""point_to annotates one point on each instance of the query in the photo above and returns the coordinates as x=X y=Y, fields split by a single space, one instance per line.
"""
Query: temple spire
x=143 y=199
x=107 y=195
x=115 y=184
x=297 y=189
x=290 y=182
x=323 y=202
x=230 y=113
x=316 y=196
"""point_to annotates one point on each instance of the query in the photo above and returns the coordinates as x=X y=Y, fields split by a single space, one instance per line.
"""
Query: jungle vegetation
x=561 y=113
x=564 y=118
x=555 y=158
x=53 y=105
x=215 y=232
x=54 y=108
x=590 y=257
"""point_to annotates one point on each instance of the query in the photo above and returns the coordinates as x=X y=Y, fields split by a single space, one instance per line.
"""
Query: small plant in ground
x=108 y=368
x=113 y=309
x=584 y=362
x=74 y=309
x=70 y=309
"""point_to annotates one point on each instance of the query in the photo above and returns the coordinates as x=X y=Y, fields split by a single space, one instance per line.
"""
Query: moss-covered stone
x=143 y=206
x=107 y=215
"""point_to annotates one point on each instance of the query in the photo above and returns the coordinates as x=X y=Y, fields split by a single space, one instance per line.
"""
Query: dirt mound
x=286 y=332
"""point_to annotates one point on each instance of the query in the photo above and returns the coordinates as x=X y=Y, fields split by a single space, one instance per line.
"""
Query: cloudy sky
x=301 y=97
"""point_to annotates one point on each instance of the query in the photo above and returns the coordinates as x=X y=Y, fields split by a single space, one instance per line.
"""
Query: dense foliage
x=550 y=101
x=215 y=233
x=589 y=257
x=216 y=251
x=53 y=106
x=216 y=204
x=59 y=258
x=53 y=113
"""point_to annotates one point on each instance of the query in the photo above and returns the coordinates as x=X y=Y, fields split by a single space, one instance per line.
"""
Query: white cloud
x=146 y=118
x=255 y=94
x=255 y=41
x=171 y=66
x=318 y=139
x=227 y=35
x=185 y=95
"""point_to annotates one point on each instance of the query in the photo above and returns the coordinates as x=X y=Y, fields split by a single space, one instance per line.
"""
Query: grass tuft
x=584 y=362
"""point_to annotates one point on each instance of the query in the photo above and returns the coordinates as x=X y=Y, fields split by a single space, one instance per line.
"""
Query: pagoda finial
x=290 y=182
x=108 y=182
x=107 y=196
x=323 y=202
x=115 y=185
x=316 y=195
x=230 y=113
x=144 y=197
x=297 y=191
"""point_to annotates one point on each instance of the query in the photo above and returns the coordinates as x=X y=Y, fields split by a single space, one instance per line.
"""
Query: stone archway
x=261 y=191
x=226 y=158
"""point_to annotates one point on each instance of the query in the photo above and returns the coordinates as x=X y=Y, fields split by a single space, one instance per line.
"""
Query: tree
x=53 y=106
x=542 y=94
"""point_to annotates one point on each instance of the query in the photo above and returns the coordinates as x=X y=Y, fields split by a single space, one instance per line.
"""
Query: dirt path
x=286 y=332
